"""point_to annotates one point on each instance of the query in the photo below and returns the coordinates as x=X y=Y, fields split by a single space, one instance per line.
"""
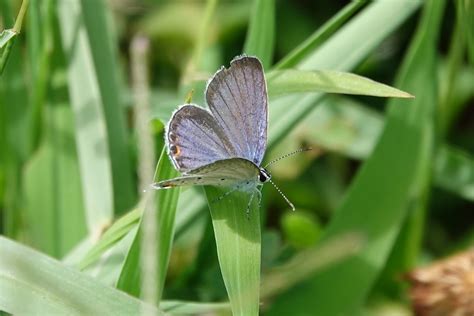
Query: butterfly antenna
x=281 y=193
x=288 y=155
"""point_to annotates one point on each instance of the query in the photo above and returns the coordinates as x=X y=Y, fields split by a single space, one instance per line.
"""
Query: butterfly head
x=264 y=175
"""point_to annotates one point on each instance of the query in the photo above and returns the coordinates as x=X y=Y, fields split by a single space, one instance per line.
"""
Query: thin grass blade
x=454 y=171
x=375 y=207
x=338 y=53
x=281 y=82
x=102 y=48
x=319 y=36
x=6 y=36
x=238 y=243
x=261 y=32
x=167 y=201
x=50 y=288
x=90 y=122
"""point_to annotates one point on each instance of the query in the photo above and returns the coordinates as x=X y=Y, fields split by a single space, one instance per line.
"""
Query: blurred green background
x=397 y=173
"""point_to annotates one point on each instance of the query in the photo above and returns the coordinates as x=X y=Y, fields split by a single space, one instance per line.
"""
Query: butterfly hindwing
x=227 y=172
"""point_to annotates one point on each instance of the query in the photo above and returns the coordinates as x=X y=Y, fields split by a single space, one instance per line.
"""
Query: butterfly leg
x=249 y=204
x=259 y=197
x=219 y=198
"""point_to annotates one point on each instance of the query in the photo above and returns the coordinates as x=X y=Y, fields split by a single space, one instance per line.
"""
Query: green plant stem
x=21 y=15
x=16 y=29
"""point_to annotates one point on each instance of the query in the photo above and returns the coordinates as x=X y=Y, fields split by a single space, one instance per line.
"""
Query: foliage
x=388 y=185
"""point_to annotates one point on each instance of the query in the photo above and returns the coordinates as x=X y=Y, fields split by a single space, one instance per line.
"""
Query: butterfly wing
x=237 y=98
x=227 y=172
x=194 y=139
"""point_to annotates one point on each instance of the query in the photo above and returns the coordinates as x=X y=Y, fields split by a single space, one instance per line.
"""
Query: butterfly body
x=233 y=172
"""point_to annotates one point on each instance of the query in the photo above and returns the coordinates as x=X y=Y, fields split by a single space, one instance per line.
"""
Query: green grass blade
x=338 y=53
x=102 y=50
x=454 y=171
x=281 y=82
x=113 y=234
x=8 y=39
x=238 y=247
x=50 y=288
x=52 y=189
x=189 y=205
x=322 y=34
x=376 y=207
x=261 y=32
x=309 y=261
x=14 y=106
x=42 y=65
x=90 y=123
x=192 y=308
x=167 y=201
x=6 y=36
x=348 y=127
x=378 y=220
x=465 y=13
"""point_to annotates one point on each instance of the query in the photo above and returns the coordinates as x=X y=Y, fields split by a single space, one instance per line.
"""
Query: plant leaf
x=338 y=53
x=6 y=36
x=261 y=32
x=167 y=201
x=319 y=36
x=90 y=124
x=238 y=243
x=282 y=82
x=454 y=171
x=101 y=47
x=113 y=234
x=376 y=206
x=50 y=288
x=194 y=308
x=52 y=187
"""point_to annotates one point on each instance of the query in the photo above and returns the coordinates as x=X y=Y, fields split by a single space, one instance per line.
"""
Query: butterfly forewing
x=194 y=139
x=237 y=98
x=227 y=172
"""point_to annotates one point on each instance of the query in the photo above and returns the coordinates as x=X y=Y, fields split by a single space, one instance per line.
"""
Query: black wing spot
x=199 y=178
x=222 y=179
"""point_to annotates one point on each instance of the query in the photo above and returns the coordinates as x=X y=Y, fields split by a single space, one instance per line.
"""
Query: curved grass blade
x=101 y=47
x=338 y=53
x=309 y=261
x=90 y=122
x=167 y=201
x=50 y=288
x=322 y=34
x=261 y=32
x=374 y=207
x=454 y=171
x=282 y=82
x=238 y=243
x=52 y=187
x=113 y=234
x=194 y=308
x=6 y=36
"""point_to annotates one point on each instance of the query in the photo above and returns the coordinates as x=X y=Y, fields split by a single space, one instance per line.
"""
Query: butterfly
x=225 y=145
